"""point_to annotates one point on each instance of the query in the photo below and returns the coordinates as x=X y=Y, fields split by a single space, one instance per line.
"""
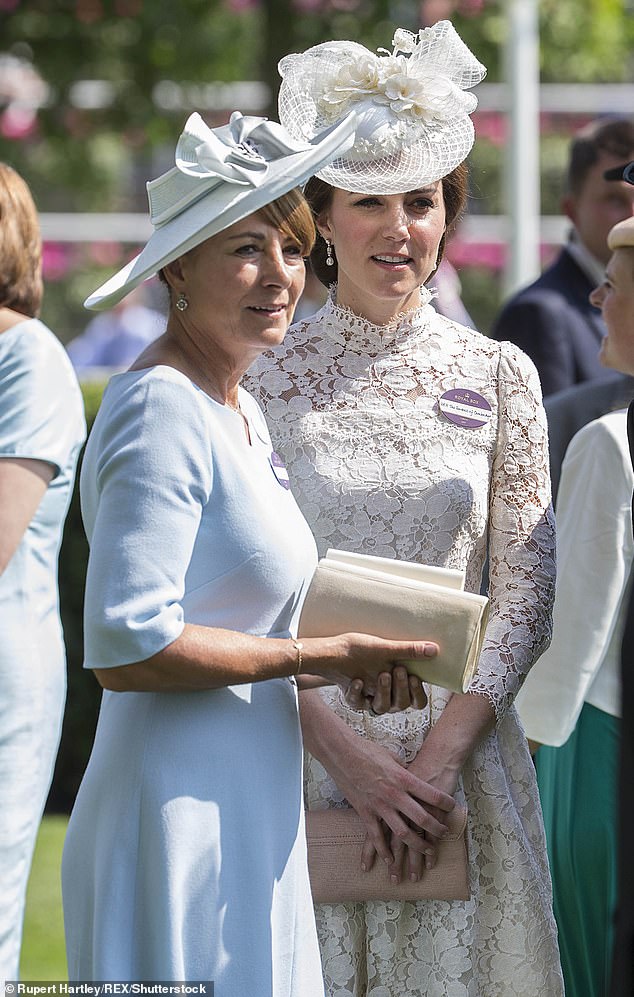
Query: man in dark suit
x=552 y=319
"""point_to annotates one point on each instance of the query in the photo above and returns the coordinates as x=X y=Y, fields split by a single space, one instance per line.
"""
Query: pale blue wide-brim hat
x=221 y=176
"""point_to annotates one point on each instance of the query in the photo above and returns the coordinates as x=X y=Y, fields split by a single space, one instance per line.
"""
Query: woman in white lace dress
x=359 y=398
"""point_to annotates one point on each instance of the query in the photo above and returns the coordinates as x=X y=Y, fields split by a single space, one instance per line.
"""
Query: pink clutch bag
x=335 y=838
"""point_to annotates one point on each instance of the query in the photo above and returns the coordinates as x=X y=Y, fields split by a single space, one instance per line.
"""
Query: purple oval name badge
x=465 y=408
x=279 y=469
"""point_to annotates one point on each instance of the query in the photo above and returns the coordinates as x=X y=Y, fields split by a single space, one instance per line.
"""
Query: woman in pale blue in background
x=42 y=429
x=185 y=857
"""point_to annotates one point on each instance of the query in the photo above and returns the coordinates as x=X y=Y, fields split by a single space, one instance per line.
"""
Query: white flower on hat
x=421 y=95
x=404 y=41
x=352 y=81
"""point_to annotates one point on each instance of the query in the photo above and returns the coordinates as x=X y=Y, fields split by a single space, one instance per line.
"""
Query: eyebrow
x=419 y=190
x=247 y=235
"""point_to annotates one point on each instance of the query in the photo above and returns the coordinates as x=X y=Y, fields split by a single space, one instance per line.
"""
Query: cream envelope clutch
x=400 y=600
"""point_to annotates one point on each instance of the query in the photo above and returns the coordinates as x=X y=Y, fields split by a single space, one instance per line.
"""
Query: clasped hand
x=396 y=690
x=404 y=808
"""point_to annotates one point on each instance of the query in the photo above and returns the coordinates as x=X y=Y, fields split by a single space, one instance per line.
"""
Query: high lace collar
x=360 y=333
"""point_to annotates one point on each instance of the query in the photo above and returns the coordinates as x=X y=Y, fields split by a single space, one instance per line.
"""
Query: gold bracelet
x=299 y=647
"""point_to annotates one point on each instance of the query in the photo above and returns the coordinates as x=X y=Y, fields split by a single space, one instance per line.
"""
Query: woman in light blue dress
x=41 y=431
x=185 y=857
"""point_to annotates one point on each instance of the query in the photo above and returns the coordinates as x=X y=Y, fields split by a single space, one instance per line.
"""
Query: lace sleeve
x=521 y=536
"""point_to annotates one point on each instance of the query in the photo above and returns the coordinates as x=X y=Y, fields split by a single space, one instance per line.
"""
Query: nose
x=396 y=222
x=596 y=296
x=276 y=270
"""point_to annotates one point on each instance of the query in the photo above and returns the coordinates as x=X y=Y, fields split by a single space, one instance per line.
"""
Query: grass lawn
x=43 y=952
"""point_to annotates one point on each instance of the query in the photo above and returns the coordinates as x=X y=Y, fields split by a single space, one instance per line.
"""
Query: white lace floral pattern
x=377 y=468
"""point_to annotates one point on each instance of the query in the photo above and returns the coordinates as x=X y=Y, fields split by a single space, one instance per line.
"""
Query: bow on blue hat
x=237 y=153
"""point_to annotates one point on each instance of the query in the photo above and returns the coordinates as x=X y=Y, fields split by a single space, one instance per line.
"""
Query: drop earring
x=330 y=259
x=181 y=302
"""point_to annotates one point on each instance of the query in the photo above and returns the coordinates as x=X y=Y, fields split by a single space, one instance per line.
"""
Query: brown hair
x=292 y=216
x=318 y=193
x=611 y=137
x=20 y=246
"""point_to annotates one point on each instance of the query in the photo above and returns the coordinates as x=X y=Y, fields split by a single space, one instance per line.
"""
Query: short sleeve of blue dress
x=41 y=413
x=187 y=521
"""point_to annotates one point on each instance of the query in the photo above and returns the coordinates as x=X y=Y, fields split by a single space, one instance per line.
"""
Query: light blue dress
x=185 y=857
x=41 y=417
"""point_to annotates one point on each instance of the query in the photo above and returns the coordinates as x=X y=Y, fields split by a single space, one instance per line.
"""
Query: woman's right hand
x=397 y=690
x=359 y=657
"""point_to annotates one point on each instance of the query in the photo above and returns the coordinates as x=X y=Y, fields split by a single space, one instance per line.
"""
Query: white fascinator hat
x=221 y=176
x=411 y=106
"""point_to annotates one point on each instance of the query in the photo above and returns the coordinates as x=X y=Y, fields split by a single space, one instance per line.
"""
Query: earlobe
x=323 y=227
x=568 y=208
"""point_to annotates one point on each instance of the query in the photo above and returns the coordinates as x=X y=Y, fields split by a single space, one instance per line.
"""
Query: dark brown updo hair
x=318 y=193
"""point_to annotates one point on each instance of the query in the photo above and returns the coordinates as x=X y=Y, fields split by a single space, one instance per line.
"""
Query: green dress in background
x=577 y=784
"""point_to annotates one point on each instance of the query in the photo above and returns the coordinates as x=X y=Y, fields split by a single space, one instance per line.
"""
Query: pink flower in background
x=106 y=254
x=22 y=92
x=9 y=4
x=471 y=8
x=18 y=122
x=491 y=125
x=490 y=255
x=56 y=260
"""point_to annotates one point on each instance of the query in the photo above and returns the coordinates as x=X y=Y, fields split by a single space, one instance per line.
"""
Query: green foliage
x=84 y=693
x=590 y=42
x=79 y=156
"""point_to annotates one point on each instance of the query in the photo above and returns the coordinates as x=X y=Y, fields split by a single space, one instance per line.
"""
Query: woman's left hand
x=396 y=691
x=409 y=862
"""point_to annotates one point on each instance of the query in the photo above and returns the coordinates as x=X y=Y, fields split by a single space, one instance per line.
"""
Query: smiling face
x=386 y=247
x=615 y=298
x=242 y=286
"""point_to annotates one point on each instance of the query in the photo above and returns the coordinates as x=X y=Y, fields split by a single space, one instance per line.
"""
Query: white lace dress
x=377 y=468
